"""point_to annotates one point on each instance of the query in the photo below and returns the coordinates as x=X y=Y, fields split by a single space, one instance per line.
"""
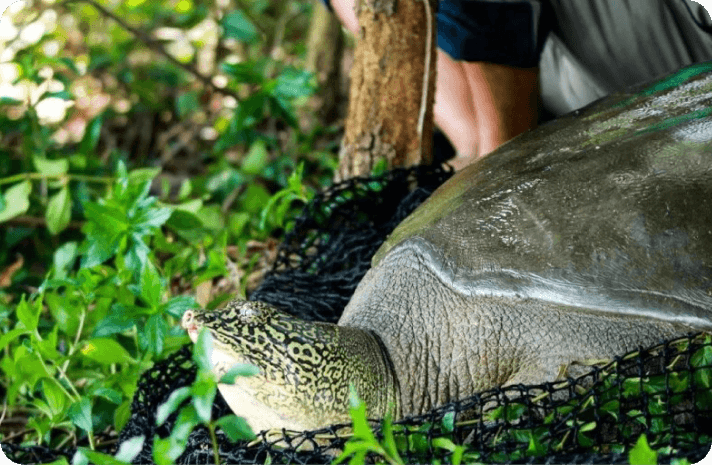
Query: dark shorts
x=505 y=32
x=585 y=48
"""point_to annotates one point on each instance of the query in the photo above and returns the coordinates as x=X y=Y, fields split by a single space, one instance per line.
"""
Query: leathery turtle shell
x=603 y=215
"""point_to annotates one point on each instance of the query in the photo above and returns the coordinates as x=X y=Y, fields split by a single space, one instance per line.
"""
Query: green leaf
x=122 y=414
x=186 y=187
x=243 y=72
x=174 y=401
x=444 y=443
x=119 y=319
x=235 y=428
x=155 y=333
x=28 y=313
x=154 y=217
x=130 y=448
x=91 y=136
x=143 y=175
x=536 y=448
x=237 y=26
x=11 y=335
x=111 y=395
x=151 y=286
x=254 y=198
x=702 y=360
x=178 y=305
x=106 y=351
x=237 y=221
x=51 y=167
x=55 y=397
x=203 y=396
x=362 y=430
x=186 y=103
x=80 y=414
x=59 y=211
x=186 y=421
x=101 y=458
x=240 y=369
x=294 y=83
x=28 y=369
x=166 y=451
x=80 y=457
x=389 y=443
x=256 y=159
x=17 y=200
x=642 y=454
x=448 y=422
x=587 y=427
x=203 y=348
x=64 y=258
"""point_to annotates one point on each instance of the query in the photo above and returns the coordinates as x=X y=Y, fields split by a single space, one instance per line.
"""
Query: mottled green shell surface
x=608 y=208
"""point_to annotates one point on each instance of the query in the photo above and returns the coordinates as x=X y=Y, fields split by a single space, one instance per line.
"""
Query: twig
x=157 y=47
x=255 y=22
x=426 y=74
x=4 y=409
x=37 y=222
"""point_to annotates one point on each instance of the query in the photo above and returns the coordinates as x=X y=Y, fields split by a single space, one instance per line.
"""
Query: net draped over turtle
x=658 y=393
x=664 y=393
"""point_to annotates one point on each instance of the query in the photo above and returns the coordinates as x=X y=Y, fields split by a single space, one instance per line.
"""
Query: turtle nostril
x=187 y=319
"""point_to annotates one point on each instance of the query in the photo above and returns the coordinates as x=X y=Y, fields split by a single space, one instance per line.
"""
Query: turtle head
x=305 y=368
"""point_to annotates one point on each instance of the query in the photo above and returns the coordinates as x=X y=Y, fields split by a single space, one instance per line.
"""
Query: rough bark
x=392 y=87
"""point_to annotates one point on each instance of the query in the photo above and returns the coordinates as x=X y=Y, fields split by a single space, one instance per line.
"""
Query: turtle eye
x=248 y=311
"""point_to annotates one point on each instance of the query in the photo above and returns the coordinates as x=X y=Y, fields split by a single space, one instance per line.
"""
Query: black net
x=663 y=392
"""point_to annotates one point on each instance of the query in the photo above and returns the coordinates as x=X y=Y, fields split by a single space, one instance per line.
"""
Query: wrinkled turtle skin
x=583 y=239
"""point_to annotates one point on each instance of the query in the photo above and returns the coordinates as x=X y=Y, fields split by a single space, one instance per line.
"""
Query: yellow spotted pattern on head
x=302 y=364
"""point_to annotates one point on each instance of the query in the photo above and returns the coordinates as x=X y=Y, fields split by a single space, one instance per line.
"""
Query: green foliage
x=642 y=454
x=102 y=246
x=363 y=441
x=201 y=394
x=398 y=439
x=420 y=441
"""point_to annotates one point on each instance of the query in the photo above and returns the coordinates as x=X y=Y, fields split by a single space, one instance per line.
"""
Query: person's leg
x=453 y=112
x=478 y=106
x=495 y=46
x=505 y=99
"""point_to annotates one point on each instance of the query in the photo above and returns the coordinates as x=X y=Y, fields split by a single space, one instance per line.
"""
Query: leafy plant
x=198 y=412
x=127 y=179
x=537 y=441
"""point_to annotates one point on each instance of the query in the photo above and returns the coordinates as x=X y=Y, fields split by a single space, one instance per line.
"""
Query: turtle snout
x=188 y=323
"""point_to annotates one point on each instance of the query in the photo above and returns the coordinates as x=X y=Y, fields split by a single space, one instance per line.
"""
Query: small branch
x=37 y=222
x=426 y=74
x=4 y=410
x=157 y=47
x=255 y=22
x=69 y=177
x=214 y=440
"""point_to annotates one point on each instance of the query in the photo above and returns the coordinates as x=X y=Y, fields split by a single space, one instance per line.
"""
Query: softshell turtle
x=583 y=239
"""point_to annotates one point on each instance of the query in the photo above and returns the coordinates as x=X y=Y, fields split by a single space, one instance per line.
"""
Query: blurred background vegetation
x=152 y=154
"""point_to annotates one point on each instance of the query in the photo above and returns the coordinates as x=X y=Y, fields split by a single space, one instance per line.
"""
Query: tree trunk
x=392 y=87
x=325 y=50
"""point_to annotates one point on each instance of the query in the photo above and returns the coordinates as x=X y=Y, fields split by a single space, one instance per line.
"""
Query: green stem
x=214 y=440
x=69 y=177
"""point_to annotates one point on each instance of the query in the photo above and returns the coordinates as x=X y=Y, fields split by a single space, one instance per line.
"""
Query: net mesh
x=663 y=392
